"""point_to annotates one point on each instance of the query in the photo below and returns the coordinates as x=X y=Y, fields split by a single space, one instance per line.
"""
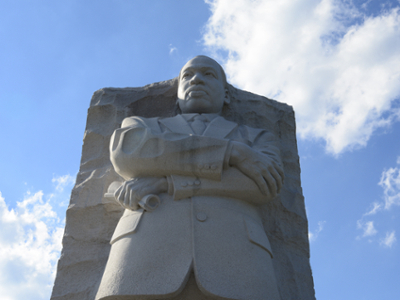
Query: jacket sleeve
x=233 y=183
x=137 y=149
x=266 y=143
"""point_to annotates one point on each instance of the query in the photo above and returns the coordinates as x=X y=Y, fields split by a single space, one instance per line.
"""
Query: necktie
x=198 y=124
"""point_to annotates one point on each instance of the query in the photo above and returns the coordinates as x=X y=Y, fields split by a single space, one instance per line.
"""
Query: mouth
x=196 y=92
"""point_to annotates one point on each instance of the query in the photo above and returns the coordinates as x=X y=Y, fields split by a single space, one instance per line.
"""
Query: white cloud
x=63 y=185
x=312 y=236
x=367 y=227
x=389 y=239
x=375 y=208
x=30 y=244
x=172 y=49
x=63 y=181
x=390 y=182
x=342 y=79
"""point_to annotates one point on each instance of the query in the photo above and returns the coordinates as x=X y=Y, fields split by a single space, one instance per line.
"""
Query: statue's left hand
x=132 y=191
x=262 y=169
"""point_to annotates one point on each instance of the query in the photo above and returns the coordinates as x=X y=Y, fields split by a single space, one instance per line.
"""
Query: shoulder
x=139 y=122
x=251 y=133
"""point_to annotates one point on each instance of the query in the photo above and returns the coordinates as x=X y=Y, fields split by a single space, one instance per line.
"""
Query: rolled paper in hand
x=148 y=203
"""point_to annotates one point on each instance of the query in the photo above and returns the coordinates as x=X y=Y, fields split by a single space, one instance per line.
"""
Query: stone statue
x=193 y=185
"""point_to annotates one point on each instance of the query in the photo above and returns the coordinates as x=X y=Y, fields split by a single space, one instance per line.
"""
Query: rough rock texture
x=91 y=218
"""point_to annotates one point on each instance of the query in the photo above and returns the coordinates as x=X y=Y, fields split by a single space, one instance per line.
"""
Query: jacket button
x=201 y=216
x=206 y=166
x=197 y=182
x=184 y=184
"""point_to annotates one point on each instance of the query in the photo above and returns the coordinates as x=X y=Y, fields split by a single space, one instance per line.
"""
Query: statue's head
x=202 y=86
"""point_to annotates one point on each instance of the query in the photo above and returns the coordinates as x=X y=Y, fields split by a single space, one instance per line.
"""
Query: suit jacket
x=208 y=223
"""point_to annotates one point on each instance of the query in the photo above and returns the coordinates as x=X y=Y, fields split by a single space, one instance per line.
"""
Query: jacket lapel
x=177 y=124
x=219 y=128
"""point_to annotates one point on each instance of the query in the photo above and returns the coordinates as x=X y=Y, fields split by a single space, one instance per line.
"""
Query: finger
x=271 y=182
x=120 y=194
x=130 y=184
x=138 y=183
x=262 y=185
x=133 y=201
x=279 y=169
x=118 y=191
x=124 y=195
x=253 y=172
x=131 y=196
x=127 y=194
x=277 y=177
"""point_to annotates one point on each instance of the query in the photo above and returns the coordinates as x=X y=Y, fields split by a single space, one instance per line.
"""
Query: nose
x=197 y=78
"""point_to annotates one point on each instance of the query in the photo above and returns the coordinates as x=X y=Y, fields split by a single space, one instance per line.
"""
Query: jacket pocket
x=257 y=235
x=127 y=224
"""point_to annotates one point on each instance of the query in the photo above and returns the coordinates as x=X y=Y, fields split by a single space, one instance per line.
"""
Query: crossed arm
x=152 y=163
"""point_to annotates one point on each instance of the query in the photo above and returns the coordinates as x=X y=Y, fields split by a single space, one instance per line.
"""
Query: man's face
x=201 y=87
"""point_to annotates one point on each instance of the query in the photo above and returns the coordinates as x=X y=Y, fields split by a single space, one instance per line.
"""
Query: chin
x=196 y=106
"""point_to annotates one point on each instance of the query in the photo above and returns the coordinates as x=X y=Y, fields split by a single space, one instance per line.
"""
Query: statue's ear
x=227 y=99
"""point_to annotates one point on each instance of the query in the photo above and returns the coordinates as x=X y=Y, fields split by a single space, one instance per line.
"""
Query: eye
x=209 y=73
x=185 y=75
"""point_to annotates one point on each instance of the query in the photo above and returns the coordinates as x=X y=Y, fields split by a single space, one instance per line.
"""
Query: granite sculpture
x=207 y=212
x=210 y=174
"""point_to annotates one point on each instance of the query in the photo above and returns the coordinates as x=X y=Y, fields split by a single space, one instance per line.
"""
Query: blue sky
x=337 y=63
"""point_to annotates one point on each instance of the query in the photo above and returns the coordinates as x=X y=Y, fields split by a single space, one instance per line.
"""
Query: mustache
x=196 y=89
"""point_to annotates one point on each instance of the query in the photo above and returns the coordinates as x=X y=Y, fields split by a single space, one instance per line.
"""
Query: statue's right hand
x=132 y=191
